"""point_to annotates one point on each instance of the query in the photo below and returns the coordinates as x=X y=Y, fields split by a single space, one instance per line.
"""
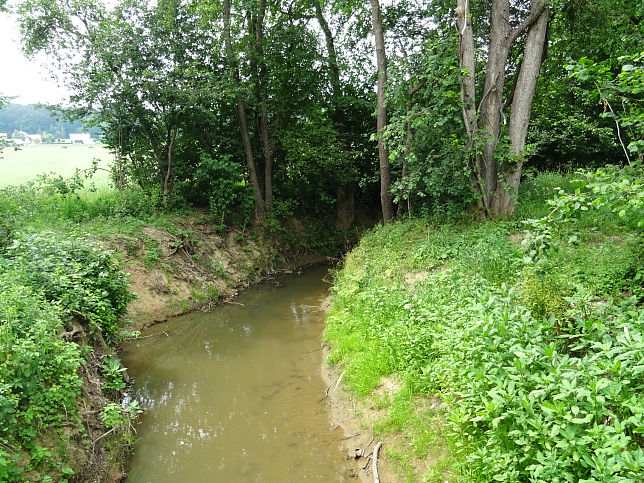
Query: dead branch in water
x=325 y=394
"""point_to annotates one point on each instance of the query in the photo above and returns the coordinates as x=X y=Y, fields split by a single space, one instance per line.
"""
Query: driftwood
x=376 y=478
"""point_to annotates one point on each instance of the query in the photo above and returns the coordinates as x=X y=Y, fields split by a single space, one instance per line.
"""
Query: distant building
x=4 y=135
x=78 y=138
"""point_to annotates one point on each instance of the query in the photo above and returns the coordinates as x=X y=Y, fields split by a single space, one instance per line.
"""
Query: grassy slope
x=453 y=311
x=29 y=161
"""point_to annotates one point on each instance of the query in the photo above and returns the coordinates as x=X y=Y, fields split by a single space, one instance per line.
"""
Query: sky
x=20 y=77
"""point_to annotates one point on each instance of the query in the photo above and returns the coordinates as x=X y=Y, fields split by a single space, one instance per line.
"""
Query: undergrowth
x=61 y=299
x=531 y=339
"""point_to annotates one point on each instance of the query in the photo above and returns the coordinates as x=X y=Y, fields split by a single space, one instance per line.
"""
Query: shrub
x=82 y=278
x=37 y=368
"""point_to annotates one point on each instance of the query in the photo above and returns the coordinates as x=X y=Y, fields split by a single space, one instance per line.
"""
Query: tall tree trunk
x=345 y=194
x=492 y=99
x=243 y=124
x=504 y=201
x=119 y=162
x=171 y=136
x=263 y=121
x=494 y=198
x=383 y=151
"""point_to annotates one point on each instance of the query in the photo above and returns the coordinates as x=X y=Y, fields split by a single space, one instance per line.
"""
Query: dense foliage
x=38 y=370
x=60 y=295
x=530 y=329
x=83 y=279
x=538 y=356
x=285 y=94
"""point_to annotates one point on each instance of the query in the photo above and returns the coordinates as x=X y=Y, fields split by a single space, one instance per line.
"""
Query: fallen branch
x=325 y=394
x=376 y=478
x=367 y=445
x=103 y=435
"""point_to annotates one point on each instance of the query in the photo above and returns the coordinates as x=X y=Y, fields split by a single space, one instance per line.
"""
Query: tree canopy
x=475 y=93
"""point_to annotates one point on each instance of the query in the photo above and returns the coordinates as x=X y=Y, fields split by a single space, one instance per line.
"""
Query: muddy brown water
x=237 y=394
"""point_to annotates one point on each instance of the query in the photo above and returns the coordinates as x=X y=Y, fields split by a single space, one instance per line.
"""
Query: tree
x=241 y=112
x=496 y=166
x=383 y=151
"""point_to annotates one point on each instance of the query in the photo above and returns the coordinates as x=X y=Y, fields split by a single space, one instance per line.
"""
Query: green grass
x=28 y=162
x=457 y=312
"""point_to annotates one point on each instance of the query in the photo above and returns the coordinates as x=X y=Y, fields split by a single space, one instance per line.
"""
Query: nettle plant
x=573 y=410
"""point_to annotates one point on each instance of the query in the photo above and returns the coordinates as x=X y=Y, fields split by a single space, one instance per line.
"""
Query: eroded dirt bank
x=198 y=267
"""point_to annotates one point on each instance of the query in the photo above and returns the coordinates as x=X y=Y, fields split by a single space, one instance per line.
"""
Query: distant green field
x=16 y=167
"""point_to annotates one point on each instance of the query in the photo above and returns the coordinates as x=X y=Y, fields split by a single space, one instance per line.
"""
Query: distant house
x=78 y=138
x=4 y=135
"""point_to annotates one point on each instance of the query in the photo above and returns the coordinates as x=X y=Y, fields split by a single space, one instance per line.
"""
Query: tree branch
x=417 y=87
x=528 y=22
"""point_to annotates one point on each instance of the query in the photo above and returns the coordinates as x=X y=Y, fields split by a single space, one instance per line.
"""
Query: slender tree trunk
x=171 y=135
x=243 y=124
x=119 y=162
x=263 y=122
x=332 y=58
x=409 y=135
x=383 y=152
x=467 y=64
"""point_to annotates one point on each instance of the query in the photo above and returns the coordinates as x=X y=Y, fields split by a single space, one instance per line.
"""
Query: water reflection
x=234 y=395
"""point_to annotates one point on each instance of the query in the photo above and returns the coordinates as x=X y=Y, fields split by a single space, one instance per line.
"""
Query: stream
x=237 y=394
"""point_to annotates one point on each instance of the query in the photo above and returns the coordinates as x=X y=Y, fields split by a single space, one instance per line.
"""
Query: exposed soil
x=357 y=420
x=176 y=274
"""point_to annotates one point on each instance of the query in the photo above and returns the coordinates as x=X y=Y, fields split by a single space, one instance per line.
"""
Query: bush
x=37 y=368
x=70 y=270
